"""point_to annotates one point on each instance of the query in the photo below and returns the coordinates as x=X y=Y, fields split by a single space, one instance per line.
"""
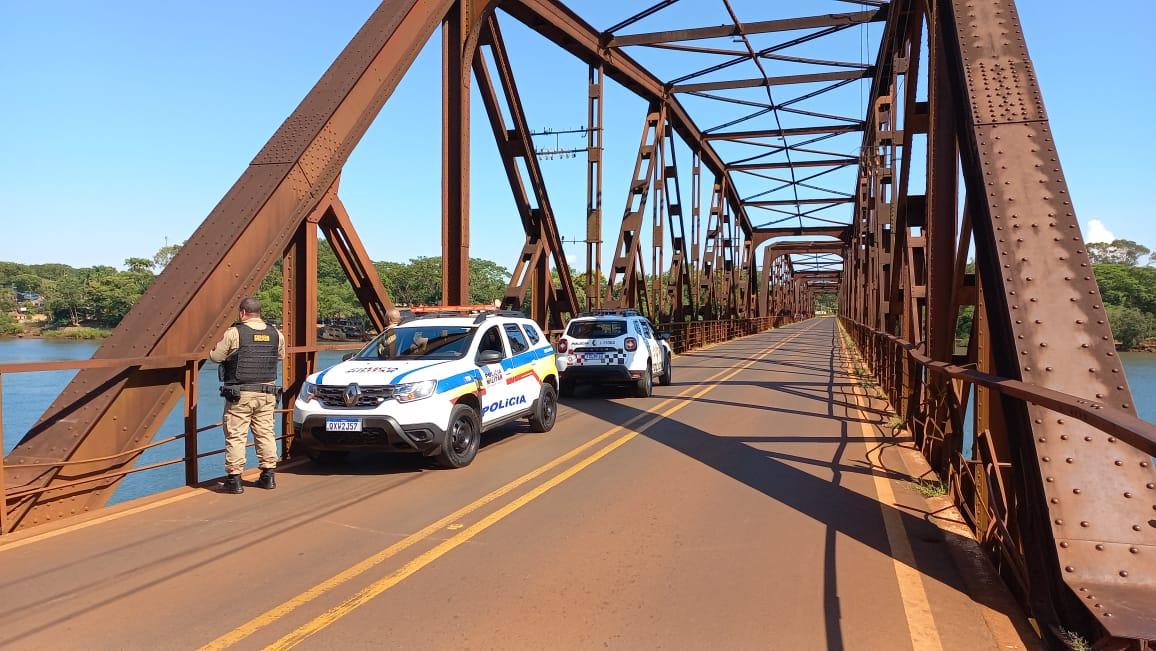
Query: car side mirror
x=664 y=335
x=489 y=357
x=348 y=356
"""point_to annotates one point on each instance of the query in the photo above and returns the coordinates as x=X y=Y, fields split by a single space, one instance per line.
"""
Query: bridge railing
x=189 y=387
x=932 y=399
x=688 y=335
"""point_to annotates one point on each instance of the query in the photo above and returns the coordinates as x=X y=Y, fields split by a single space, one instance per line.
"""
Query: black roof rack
x=513 y=314
x=610 y=313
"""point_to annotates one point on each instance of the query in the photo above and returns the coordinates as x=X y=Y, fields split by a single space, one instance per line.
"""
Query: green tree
x=9 y=270
x=488 y=281
x=1124 y=252
x=139 y=265
x=1121 y=284
x=9 y=325
x=114 y=294
x=51 y=270
x=26 y=282
x=417 y=283
x=828 y=302
x=1130 y=326
x=69 y=301
x=165 y=255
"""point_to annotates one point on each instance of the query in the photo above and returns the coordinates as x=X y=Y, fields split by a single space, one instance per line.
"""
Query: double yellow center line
x=656 y=414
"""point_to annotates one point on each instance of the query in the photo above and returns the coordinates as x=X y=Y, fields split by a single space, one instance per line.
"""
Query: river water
x=27 y=395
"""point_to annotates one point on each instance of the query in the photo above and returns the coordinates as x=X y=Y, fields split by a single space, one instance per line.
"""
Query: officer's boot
x=233 y=485
x=266 y=480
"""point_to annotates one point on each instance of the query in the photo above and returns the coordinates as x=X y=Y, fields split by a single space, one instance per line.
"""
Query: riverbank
x=74 y=333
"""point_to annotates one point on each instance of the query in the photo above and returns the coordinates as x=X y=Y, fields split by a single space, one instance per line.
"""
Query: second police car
x=431 y=385
x=613 y=347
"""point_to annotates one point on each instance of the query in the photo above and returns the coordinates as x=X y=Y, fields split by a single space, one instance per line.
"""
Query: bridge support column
x=455 y=160
x=594 y=190
x=298 y=315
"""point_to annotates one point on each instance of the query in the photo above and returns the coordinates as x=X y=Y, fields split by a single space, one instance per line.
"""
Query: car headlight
x=411 y=391
x=308 y=391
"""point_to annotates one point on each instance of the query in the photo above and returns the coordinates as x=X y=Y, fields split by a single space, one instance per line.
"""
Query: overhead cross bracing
x=779 y=94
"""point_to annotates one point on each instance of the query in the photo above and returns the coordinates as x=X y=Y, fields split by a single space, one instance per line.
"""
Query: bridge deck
x=747 y=506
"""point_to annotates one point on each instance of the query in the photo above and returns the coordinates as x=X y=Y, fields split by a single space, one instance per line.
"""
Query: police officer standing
x=387 y=347
x=248 y=355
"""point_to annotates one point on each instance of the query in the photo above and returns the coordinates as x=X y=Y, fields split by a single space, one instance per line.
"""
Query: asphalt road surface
x=753 y=504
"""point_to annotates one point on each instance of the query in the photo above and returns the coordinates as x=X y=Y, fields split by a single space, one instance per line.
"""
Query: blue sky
x=126 y=122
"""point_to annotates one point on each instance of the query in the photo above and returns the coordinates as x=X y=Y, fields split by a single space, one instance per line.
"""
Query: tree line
x=1127 y=284
x=101 y=295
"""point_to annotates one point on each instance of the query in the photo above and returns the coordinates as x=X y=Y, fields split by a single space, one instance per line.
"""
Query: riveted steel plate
x=999 y=73
x=1098 y=501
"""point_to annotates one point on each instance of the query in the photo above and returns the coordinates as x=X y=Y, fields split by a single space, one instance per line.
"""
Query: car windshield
x=596 y=329
x=419 y=342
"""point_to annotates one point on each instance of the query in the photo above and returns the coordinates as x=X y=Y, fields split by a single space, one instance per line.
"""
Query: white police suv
x=613 y=347
x=431 y=385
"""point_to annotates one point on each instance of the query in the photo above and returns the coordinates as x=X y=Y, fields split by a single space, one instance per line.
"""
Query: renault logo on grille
x=352 y=393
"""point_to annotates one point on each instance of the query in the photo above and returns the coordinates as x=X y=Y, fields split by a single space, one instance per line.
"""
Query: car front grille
x=370 y=436
x=371 y=396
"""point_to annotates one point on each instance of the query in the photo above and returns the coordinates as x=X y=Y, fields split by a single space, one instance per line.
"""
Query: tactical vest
x=256 y=358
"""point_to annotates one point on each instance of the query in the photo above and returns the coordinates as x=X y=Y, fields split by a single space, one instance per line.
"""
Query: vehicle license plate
x=342 y=424
x=592 y=358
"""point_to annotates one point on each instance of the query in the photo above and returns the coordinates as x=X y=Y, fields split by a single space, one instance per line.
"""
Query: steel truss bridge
x=952 y=164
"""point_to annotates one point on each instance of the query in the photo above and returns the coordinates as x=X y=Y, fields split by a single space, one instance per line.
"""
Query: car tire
x=667 y=373
x=545 y=409
x=327 y=457
x=644 y=387
x=463 y=438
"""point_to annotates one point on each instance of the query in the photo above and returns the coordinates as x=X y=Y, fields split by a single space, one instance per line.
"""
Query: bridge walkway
x=756 y=503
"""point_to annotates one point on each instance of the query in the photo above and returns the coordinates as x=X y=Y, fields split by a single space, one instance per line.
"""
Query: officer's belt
x=259 y=388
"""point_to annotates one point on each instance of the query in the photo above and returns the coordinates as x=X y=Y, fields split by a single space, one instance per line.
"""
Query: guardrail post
x=192 y=466
x=3 y=481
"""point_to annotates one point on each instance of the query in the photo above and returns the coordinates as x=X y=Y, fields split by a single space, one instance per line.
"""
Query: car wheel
x=667 y=373
x=327 y=457
x=645 y=385
x=545 y=410
x=463 y=437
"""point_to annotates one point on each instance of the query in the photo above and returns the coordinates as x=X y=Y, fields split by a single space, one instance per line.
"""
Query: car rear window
x=532 y=333
x=596 y=329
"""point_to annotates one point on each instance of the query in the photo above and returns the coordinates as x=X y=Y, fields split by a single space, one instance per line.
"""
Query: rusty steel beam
x=759 y=27
x=673 y=297
x=562 y=26
x=826 y=162
x=627 y=265
x=456 y=157
x=354 y=260
x=778 y=249
x=762 y=235
x=1053 y=500
x=102 y=412
x=298 y=313
x=594 y=189
x=543 y=242
x=792 y=202
x=785 y=133
x=1055 y=331
x=784 y=80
